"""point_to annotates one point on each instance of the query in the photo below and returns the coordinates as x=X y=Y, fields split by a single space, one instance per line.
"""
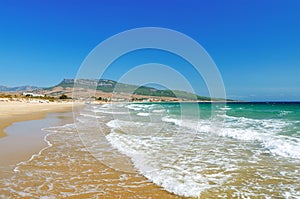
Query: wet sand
x=60 y=170
x=72 y=173
x=25 y=139
x=20 y=130
x=11 y=112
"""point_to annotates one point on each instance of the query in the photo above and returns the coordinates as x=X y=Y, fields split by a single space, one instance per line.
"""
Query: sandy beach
x=80 y=160
x=11 y=112
x=21 y=125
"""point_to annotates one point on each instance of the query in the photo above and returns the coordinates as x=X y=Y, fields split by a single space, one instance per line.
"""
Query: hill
x=104 y=86
x=18 y=88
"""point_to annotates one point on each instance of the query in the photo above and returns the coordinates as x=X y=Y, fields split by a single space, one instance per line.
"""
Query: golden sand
x=67 y=173
x=11 y=112
x=77 y=174
x=29 y=140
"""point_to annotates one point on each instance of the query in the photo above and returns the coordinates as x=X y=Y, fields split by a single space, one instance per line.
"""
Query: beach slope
x=11 y=112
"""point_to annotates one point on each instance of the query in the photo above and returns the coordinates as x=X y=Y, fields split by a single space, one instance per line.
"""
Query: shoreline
x=118 y=180
x=11 y=112
x=21 y=133
x=26 y=139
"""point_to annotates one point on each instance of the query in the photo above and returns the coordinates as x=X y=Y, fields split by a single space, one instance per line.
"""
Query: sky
x=254 y=43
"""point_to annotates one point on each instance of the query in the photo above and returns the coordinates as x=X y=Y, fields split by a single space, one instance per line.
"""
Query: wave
x=139 y=107
x=159 y=167
x=143 y=114
x=187 y=166
x=89 y=115
x=264 y=131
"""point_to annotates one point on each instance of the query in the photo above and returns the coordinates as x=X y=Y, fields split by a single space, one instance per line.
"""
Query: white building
x=33 y=94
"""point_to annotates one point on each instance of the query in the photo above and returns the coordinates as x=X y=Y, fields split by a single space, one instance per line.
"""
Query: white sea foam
x=106 y=108
x=225 y=108
x=138 y=107
x=89 y=115
x=200 y=125
x=178 y=178
x=246 y=129
x=284 y=113
x=154 y=155
x=143 y=114
x=108 y=111
x=51 y=130
x=163 y=159
x=159 y=111
x=159 y=167
x=134 y=107
x=113 y=124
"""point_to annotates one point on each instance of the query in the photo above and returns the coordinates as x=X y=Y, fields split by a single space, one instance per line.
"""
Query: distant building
x=33 y=94
x=104 y=84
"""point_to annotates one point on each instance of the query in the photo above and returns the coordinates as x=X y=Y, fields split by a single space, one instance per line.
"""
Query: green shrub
x=63 y=96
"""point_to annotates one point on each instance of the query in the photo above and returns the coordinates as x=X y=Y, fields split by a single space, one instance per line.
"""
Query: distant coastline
x=104 y=91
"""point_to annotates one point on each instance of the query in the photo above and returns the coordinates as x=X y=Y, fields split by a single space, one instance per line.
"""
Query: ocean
x=205 y=150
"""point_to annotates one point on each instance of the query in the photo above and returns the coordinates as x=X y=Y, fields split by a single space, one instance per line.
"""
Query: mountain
x=105 y=89
x=109 y=86
x=18 y=88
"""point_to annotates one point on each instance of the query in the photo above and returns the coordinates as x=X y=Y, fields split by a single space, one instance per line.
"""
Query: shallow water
x=237 y=150
x=66 y=169
x=189 y=149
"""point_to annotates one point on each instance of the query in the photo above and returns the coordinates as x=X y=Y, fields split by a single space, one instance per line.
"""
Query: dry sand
x=11 y=112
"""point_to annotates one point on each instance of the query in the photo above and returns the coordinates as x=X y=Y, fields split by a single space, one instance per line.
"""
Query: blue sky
x=255 y=44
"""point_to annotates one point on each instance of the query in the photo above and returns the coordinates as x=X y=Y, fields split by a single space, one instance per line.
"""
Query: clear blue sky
x=255 y=43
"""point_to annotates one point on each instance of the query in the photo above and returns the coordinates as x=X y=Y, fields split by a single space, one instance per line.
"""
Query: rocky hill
x=108 y=90
x=105 y=87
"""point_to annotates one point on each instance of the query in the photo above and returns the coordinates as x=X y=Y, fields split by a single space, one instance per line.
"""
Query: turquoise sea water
x=190 y=149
